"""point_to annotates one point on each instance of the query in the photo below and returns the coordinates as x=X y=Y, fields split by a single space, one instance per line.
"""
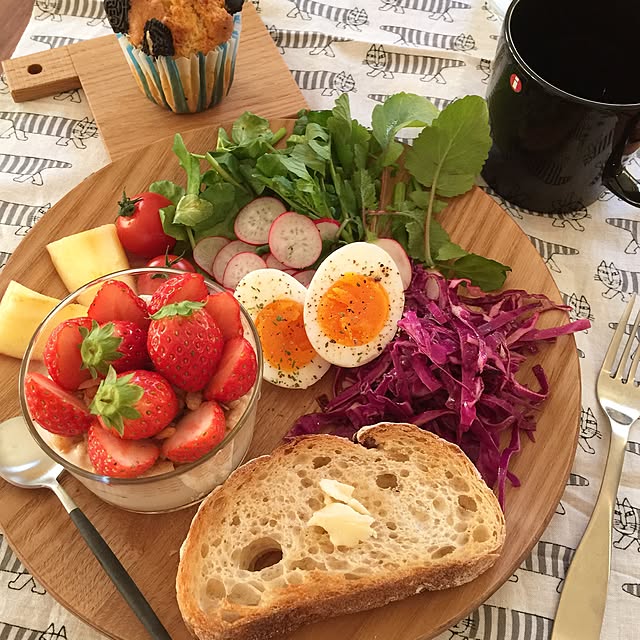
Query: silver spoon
x=25 y=465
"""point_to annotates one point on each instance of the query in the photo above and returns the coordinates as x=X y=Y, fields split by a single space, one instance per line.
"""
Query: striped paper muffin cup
x=185 y=85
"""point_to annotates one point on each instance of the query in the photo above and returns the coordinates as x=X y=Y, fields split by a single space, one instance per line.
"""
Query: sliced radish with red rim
x=400 y=257
x=328 y=228
x=305 y=277
x=254 y=220
x=239 y=266
x=225 y=254
x=206 y=250
x=273 y=263
x=295 y=240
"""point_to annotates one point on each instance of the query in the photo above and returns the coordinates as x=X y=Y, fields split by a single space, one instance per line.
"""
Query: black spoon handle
x=118 y=574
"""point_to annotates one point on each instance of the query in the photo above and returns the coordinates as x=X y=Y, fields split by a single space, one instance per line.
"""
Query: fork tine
x=636 y=357
x=609 y=359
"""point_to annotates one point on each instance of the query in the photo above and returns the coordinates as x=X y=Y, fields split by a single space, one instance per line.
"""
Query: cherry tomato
x=149 y=282
x=139 y=226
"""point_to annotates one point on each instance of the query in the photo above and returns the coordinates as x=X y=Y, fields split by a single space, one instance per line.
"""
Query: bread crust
x=322 y=595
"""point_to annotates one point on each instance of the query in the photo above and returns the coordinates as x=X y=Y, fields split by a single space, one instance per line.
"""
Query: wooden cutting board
x=38 y=528
x=125 y=117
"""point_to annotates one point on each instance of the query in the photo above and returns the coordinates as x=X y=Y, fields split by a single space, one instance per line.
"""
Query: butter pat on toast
x=408 y=512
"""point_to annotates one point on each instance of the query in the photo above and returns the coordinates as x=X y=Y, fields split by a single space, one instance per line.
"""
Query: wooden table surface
x=14 y=16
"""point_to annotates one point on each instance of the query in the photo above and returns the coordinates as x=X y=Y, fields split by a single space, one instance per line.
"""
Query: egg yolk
x=284 y=341
x=353 y=310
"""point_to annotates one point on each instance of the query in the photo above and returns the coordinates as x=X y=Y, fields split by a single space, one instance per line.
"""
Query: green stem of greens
x=192 y=240
x=427 y=222
x=228 y=178
x=278 y=135
x=399 y=195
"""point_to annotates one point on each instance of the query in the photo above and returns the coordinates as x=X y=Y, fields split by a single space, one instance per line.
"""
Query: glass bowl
x=168 y=488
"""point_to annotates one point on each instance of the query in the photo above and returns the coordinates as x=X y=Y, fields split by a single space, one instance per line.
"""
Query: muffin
x=182 y=52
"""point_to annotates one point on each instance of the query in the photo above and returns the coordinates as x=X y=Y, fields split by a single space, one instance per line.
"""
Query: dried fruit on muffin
x=185 y=344
x=55 y=409
x=194 y=25
x=134 y=405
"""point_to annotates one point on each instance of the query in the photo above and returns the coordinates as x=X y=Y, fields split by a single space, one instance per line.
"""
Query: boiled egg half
x=275 y=302
x=353 y=304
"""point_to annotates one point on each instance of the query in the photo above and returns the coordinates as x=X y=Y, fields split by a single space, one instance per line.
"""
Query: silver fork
x=584 y=595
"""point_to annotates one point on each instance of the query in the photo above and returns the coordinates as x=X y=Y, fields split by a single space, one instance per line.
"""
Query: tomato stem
x=127 y=206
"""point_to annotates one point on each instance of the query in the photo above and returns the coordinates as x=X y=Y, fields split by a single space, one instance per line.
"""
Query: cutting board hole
x=34 y=69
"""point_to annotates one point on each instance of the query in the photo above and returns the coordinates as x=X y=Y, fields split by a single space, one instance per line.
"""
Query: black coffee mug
x=564 y=103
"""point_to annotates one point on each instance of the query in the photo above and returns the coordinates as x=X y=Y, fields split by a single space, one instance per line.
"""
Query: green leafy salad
x=331 y=166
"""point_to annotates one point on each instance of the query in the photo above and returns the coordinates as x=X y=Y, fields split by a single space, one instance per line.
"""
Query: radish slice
x=206 y=250
x=254 y=220
x=305 y=277
x=400 y=257
x=272 y=263
x=238 y=267
x=225 y=254
x=328 y=228
x=295 y=240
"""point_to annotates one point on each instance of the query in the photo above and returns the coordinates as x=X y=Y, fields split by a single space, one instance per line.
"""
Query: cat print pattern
x=4 y=87
x=331 y=83
x=559 y=220
x=73 y=95
x=632 y=589
x=618 y=281
x=65 y=129
x=633 y=447
x=633 y=227
x=489 y=622
x=588 y=430
x=343 y=17
x=579 y=307
x=55 y=41
x=29 y=168
x=435 y=8
x=23 y=216
x=4 y=256
x=626 y=522
x=439 y=103
x=55 y=9
x=419 y=38
x=14 y=632
x=550 y=249
x=549 y=559
x=388 y=64
x=575 y=480
x=19 y=577
x=317 y=42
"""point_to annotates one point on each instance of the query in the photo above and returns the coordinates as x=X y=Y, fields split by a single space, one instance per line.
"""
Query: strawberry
x=196 y=434
x=115 y=300
x=236 y=373
x=55 y=409
x=184 y=344
x=117 y=458
x=121 y=344
x=136 y=405
x=62 y=355
x=185 y=286
x=225 y=311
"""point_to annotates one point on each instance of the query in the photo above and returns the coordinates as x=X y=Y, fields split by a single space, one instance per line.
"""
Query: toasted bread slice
x=252 y=567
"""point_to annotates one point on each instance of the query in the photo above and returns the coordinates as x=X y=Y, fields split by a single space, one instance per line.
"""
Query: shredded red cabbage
x=451 y=369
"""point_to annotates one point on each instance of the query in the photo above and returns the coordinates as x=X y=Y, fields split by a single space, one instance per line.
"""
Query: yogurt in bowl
x=167 y=485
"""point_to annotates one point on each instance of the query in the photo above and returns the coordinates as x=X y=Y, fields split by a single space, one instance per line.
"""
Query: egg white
x=262 y=287
x=368 y=260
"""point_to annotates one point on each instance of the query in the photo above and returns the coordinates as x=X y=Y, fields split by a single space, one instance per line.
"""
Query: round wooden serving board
x=40 y=531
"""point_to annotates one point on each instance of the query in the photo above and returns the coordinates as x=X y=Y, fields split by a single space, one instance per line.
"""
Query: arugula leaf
x=399 y=111
x=189 y=163
x=442 y=249
x=176 y=231
x=192 y=210
x=349 y=139
x=168 y=189
x=449 y=154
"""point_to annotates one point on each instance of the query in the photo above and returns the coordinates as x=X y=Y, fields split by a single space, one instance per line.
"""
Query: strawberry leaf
x=99 y=348
x=116 y=399
x=184 y=308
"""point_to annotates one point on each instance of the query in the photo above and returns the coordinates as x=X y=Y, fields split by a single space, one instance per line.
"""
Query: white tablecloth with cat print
x=369 y=48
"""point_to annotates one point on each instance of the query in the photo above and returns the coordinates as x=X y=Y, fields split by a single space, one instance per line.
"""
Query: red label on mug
x=516 y=83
